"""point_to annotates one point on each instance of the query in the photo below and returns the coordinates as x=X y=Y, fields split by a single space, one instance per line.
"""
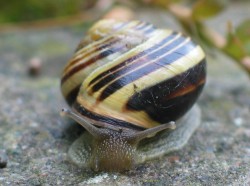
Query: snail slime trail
x=127 y=81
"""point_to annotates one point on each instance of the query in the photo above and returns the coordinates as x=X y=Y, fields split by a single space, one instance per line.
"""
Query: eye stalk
x=100 y=133
x=124 y=78
x=114 y=149
x=94 y=131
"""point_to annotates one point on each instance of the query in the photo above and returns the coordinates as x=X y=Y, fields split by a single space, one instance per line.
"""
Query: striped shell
x=133 y=75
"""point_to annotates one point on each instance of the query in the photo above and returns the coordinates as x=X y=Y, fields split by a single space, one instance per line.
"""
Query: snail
x=130 y=84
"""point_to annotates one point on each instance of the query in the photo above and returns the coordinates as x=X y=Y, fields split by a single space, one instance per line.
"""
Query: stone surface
x=3 y=159
x=36 y=139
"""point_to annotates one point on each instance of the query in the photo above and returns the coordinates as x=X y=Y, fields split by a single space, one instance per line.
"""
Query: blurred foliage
x=238 y=41
x=30 y=10
x=190 y=14
x=204 y=9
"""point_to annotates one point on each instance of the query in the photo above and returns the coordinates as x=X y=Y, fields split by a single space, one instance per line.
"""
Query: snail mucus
x=126 y=84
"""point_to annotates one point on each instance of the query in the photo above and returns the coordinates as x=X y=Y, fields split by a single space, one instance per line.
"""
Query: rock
x=3 y=159
x=36 y=139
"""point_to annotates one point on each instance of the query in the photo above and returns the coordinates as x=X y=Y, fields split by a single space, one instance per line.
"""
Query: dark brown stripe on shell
x=160 y=101
x=93 y=49
x=107 y=43
x=71 y=97
x=121 y=26
x=149 y=68
x=103 y=54
x=110 y=72
x=131 y=65
x=108 y=120
x=115 y=29
x=149 y=30
x=143 y=25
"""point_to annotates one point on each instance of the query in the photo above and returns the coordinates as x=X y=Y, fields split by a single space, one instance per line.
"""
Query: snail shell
x=130 y=76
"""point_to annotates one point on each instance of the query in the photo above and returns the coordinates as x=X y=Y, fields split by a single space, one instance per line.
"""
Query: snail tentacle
x=96 y=132
x=127 y=81
x=137 y=137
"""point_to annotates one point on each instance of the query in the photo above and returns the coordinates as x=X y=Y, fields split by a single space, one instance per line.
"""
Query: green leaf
x=31 y=10
x=204 y=9
x=238 y=42
x=234 y=47
x=243 y=33
x=160 y=3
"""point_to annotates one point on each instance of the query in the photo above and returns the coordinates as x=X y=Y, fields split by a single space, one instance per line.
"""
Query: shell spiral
x=133 y=75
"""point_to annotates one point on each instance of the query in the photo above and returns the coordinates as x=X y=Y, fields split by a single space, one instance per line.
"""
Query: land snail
x=128 y=84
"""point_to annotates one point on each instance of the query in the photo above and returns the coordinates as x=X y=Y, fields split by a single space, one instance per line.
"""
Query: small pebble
x=173 y=159
x=3 y=159
x=35 y=65
x=238 y=121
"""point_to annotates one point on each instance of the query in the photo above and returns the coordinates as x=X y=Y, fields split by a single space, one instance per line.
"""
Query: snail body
x=127 y=81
